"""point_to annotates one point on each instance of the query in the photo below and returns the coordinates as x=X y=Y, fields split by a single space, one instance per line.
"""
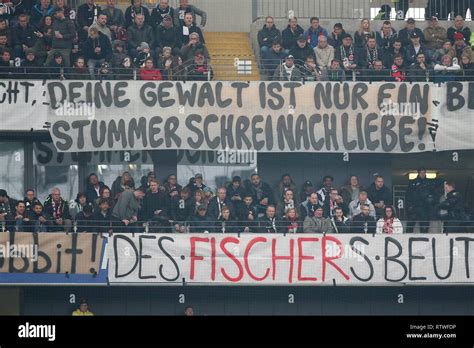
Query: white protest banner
x=292 y=259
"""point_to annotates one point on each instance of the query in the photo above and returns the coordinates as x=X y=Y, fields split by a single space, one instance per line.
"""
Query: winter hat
x=29 y=51
x=143 y=46
x=117 y=43
x=458 y=36
x=194 y=35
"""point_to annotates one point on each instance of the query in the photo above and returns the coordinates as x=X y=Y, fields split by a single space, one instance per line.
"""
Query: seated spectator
x=235 y=191
x=86 y=16
x=200 y=222
x=404 y=35
x=194 y=45
x=324 y=53
x=165 y=63
x=56 y=210
x=199 y=199
x=247 y=214
x=225 y=222
x=446 y=71
x=56 y=67
x=287 y=202
x=78 y=205
x=103 y=216
x=142 y=55
x=166 y=35
x=83 y=309
x=314 y=32
x=461 y=48
x=346 y=54
x=85 y=220
x=325 y=189
x=262 y=193
x=115 y=19
x=363 y=222
x=350 y=191
x=41 y=9
x=188 y=28
x=435 y=35
x=23 y=36
x=105 y=72
x=214 y=209
x=467 y=69
x=101 y=25
x=137 y=33
x=291 y=34
x=105 y=193
x=196 y=183
x=306 y=191
x=413 y=49
x=118 y=53
x=309 y=71
x=419 y=71
x=301 y=51
x=30 y=199
x=45 y=39
x=149 y=72
x=97 y=50
x=334 y=73
x=183 y=8
x=7 y=68
x=291 y=222
x=363 y=34
x=162 y=11
x=122 y=183
x=308 y=207
x=389 y=223
x=334 y=201
x=208 y=195
x=355 y=205
x=368 y=56
x=398 y=69
x=64 y=32
x=179 y=70
x=79 y=71
x=134 y=10
x=18 y=221
x=378 y=73
x=270 y=223
x=336 y=36
x=386 y=37
x=395 y=50
x=287 y=183
x=440 y=53
x=171 y=186
x=155 y=207
x=317 y=223
x=273 y=59
x=31 y=65
x=380 y=195
x=125 y=70
x=340 y=223
x=200 y=70
x=459 y=28
x=125 y=212
x=182 y=208
x=7 y=205
x=4 y=41
x=267 y=35
x=37 y=220
x=287 y=71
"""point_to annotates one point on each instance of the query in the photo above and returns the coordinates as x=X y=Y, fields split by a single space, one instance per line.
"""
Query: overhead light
x=429 y=175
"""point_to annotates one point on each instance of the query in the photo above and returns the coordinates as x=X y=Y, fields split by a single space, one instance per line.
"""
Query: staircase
x=232 y=56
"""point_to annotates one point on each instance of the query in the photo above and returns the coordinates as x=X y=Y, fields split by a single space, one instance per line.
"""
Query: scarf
x=347 y=55
x=288 y=71
x=56 y=209
x=293 y=227
x=372 y=55
x=388 y=225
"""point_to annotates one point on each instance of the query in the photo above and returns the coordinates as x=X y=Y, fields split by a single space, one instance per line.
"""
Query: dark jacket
x=327 y=208
x=465 y=31
x=130 y=13
x=385 y=43
x=267 y=225
x=24 y=36
x=308 y=209
x=101 y=41
x=243 y=212
x=166 y=37
x=182 y=210
x=343 y=226
x=289 y=38
x=91 y=193
x=226 y=226
x=417 y=74
x=301 y=54
x=376 y=196
x=262 y=191
x=201 y=224
x=267 y=36
x=86 y=15
x=37 y=14
x=29 y=204
x=361 y=222
x=102 y=223
x=213 y=208
x=404 y=36
x=85 y=223
x=410 y=54
x=184 y=39
x=135 y=36
x=240 y=191
x=421 y=193
x=153 y=202
x=292 y=226
x=272 y=60
x=67 y=29
x=179 y=12
x=157 y=14
x=62 y=209
x=454 y=206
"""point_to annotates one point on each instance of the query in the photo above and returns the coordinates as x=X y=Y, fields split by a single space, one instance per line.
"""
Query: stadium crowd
x=245 y=206
x=52 y=41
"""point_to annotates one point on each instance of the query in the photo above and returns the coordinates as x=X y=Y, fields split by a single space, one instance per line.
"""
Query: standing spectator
x=86 y=16
x=317 y=223
x=334 y=201
x=363 y=222
x=291 y=222
x=160 y=12
x=133 y=11
x=270 y=223
x=355 y=205
x=183 y=8
x=398 y=69
x=182 y=208
x=452 y=209
x=401 y=8
x=93 y=187
x=413 y=49
x=56 y=210
x=301 y=51
x=325 y=189
x=247 y=214
x=324 y=53
x=340 y=223
x=287 y=202
x=23 y=36
x=291 y=34
x=336 y=36
x=37 y=220
x=350 y=191
x=155 y=205
x=389 y=223
x=267 y=35
x=363 y=34
x=286 y=183
x=459 y=27
x=419 y=71
x=380 y=195
x=308 y=207
x=188 y=51
x=262 y=193
x=346 y=54
x=62 y=4
x=166 y=35
x=103 y=217
x=101 y=25
x=314 y=32
x=7 y=205
x=185 y=31
x=137 y=33
x=273 y=59
x=435 y=35
x=45 y=39
x=461 y=48
x=30 y=199
x=122 y=183
x=64 y=33
x=42 y=9
x=386 y=37
x=115 y=19
x=334 y=73
x=287 y=71
x=214 y=210
x=97 y=50
x=404 y=35
x=149 y=72
x=126 y=210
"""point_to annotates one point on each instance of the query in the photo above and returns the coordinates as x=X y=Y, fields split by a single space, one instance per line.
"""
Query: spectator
x=134 y=10
x=317 y=223
x=334 y=73
x=105 y=193
x=389 y=223
x=309 y=71
x=122 y=183
x=194 y=45
x=355 y=205
x=404 y=35
x=171 y=186
x=286 y=183
x=197 y=183
x=23 y=36
x=291 y=34
x=368 y=56
x=225 y=222
x=6 y=64
x=199 y=199
x=334 y=201
x=78 y=205
x=115 y=19
x=143 y=54
x=247 y=214
x=325 y=189
x=398 y=69
x=62 y=4
x=188 y=311
x=306 y=190
x=30 y=199
x=97 y=50
x=270 y=223
x=37 y=220
x=200 y=70
x=155 y=205
x=386 y=37
x=101 y=25
x=79 y=71
x=83 y=309
x=18 y=221
x=314 y=32
x=340 y=223
x=184 y=8
x=179 y=69
x=451 y=209
x=461 y=48
x=308 y=207
x=435 y=35
x=384 y=13
x=378 y=73
x=105 y=72
x=413 y=49
x=235 y=191
x=64 y=32
x=324 y=53
x=301 y=51
x=85 y=220
x=380 y=195
x=363 y=222
x=93 y=187
x=42 y=9
x=214 y=210
x=118 y=53
x=447 y=71
x=149 y=72
x=103 y=216
x=30 y=64
x=166 y=35
x=7 y=205
x=467 y=69
x=396 y=49
x=137 y=33
x=419 y=71
x=56 y=67
x=363 y=34
x=200 y=222
x=336 y=36
x=125 y=70
x=86 y=16
x=262 y=193
x=347 y=55
x=350 y=191
x=45 y=39
x=287 y=71
x=273 y=59
x=56 y=210
x=446 y=49
x=401 y=8
x=287 y=202
x=182 y=208
x=267 y=35
x=125 y=212
x=291 y=222
x=188 y=28
x=160 y=12
x=459 y=27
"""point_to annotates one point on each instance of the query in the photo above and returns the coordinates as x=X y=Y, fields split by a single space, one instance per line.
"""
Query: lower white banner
x=296 y=259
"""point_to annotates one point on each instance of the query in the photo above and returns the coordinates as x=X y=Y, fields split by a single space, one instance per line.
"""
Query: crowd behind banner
x=243 y=206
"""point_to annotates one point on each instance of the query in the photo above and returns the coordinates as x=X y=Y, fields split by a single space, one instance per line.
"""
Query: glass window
x=12 y=168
